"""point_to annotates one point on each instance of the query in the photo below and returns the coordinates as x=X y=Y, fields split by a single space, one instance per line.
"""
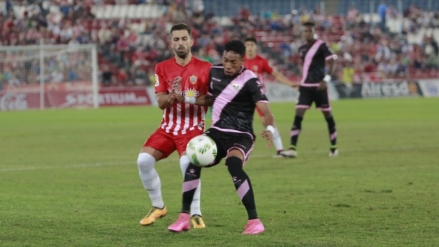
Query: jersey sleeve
x=327 y=54
x=206 y=80
x=256 y=90
x=210 y=84
x=266 y=67
x=160 y=83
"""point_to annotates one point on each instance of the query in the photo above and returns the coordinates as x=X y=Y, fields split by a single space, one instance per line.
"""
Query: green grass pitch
x=69 y=178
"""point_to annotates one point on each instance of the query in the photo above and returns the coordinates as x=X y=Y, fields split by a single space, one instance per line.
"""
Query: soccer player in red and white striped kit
x=180 y=123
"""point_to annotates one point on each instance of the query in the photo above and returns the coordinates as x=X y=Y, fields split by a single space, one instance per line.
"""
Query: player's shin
x=277 y=140
x=332 y=132
x=195 y=206
x=243 y=185
x=150 y=179
x=190 y=185
x=295 y=131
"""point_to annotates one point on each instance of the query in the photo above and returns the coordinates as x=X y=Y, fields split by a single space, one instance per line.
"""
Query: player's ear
x=192 y=41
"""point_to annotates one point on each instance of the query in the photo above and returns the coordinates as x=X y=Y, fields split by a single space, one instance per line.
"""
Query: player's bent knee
x=184 y=163
x=235 y=153
x=145 y=162
x=156 y=154
x=300 y=112
x=326 y=111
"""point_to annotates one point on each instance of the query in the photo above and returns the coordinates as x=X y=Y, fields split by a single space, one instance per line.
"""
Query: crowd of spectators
x=129 y=48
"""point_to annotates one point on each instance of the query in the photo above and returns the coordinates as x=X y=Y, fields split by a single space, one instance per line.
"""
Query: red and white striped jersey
x=180 y=118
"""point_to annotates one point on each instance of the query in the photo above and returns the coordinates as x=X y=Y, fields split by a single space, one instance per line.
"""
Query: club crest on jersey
x=236 y=86
x=193 y=79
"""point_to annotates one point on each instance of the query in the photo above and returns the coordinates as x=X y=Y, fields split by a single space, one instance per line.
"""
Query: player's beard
x=181 y=53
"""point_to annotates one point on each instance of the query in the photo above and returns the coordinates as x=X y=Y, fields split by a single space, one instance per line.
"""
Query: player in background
x=234 y=92
x=180 y=123
x=313 y=87
x=259 y=66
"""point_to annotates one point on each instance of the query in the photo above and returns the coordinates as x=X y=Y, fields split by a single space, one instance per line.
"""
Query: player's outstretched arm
x=283 y=79
x=165 y=100
x=269 y=130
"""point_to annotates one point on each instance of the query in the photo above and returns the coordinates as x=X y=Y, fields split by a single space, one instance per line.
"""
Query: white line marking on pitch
x=174 y=159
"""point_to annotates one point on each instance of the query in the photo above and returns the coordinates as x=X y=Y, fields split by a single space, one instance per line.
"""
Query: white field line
x=254 y=155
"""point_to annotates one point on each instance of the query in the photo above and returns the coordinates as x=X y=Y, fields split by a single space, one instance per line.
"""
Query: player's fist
x=178 y=98
x=295 y=85
x=322 y=86
x=175 y=98
x=267 y=135
x=171 y=98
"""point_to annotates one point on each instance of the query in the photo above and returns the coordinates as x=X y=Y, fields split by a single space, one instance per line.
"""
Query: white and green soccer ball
x=201 y=150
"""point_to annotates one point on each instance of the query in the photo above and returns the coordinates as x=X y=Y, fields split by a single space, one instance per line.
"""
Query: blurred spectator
x=348 y=74
x=203 y=55
x=266 y=14
x=107 y=76
x=244 y=14
x=352 y=14
x=382 y=12
x=72 y=75
x=430 y=46
x=392 y=12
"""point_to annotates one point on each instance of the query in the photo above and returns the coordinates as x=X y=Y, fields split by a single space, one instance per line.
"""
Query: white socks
x=277 y=140
x=150 y=179
x=195 y=206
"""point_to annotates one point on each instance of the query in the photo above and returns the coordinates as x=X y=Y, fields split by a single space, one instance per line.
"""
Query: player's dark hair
x=181 y=26
x=237 y=46
x=250 y=39
x=308 y=24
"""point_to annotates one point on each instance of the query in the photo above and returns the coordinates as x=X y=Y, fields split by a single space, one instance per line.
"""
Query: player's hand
x=267 y=135
x=322 y=86
x=178 y=98
x=295 y=85
x=171 y=98
x=176 y=85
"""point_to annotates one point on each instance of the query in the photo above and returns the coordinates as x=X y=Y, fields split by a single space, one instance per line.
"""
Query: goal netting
x=41 y=77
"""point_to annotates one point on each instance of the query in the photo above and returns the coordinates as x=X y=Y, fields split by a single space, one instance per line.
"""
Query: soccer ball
x=201 y=150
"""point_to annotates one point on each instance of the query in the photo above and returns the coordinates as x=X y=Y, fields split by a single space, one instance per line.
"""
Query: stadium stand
x=133 y=34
